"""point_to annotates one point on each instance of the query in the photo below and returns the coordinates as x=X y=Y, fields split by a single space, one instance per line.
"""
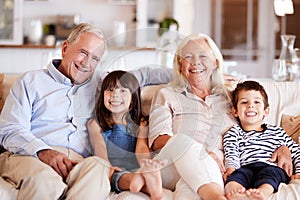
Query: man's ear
x=234 y=112
x=64 y=47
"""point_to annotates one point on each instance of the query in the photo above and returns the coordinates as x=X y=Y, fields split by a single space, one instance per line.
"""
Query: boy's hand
x=227 y=173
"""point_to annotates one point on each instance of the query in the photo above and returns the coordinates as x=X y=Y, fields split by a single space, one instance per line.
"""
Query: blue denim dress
x=120 y=144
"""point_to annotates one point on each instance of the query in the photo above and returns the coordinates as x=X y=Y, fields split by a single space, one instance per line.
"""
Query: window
x=243 y=30
x=236 y=20
x=288 y=24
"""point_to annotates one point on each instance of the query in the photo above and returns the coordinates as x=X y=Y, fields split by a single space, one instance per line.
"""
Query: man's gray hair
x=84 y=28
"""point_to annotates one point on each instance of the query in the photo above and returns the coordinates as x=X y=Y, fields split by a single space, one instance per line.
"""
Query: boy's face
x=250 y=109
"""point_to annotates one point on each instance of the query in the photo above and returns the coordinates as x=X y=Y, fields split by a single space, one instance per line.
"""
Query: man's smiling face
x=81 y=58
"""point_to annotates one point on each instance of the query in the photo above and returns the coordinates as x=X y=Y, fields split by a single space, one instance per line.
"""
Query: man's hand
x=58 y=161
x=283 y=158
x=229 y=78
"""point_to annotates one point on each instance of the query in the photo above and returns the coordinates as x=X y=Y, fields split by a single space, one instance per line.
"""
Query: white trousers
x=188 y=162
x=34 y=180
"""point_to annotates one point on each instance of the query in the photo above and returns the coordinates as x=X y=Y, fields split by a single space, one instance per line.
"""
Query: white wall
x=102 y=13
x=99 y=12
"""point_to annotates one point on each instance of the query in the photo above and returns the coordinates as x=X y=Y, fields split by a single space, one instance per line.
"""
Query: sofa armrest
x=6 y=81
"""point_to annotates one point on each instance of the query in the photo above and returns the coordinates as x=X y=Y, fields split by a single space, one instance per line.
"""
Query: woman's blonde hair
x=217 y=80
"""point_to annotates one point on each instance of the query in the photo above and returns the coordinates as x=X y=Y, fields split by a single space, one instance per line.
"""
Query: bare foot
x=149 y=176
x=238 y=194
x=255 y=194
x=241 y=194
x=137 y=182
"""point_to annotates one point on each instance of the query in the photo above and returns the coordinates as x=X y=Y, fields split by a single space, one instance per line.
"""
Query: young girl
x=119 y=132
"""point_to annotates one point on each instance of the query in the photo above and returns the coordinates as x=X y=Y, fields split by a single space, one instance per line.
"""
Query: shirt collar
x=185 y=91
x=58 y=76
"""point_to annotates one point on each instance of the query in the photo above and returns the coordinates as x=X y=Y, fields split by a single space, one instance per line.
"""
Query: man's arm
x=15 y=122
x=153 y=76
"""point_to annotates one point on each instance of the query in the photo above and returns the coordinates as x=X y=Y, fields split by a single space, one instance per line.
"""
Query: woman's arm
x=96 y=139
x=160 y=142
x=283 y=157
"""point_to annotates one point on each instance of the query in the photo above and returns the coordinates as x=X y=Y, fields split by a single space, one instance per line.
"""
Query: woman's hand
x=218 y=161
x=295 y=176
x=283 y=157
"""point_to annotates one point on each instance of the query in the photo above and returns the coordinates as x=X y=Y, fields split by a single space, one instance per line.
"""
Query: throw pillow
x=291 y=124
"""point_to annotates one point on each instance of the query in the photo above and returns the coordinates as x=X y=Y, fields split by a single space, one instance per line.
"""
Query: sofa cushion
x=291 y=124
x=5 y=84
x=2 y=99
x=283 y=99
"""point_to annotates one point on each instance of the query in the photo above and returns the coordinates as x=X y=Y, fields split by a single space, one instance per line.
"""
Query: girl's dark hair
x=248 y=85
x=126 y=80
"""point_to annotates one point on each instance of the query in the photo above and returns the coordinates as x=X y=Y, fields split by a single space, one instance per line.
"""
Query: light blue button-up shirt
x=45 y=109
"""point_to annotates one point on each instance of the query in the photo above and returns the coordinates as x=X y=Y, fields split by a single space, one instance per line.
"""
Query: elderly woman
x=187 y=121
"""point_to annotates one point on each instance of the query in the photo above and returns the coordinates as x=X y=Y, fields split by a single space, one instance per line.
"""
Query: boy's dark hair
x=126 y=80
x=248 y=85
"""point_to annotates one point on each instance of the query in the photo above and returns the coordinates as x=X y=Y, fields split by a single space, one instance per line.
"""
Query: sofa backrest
x=284 y=97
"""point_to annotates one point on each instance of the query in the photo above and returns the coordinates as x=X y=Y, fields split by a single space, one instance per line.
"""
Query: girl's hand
x=295 y=176
x=112 y=170
x=219 y=162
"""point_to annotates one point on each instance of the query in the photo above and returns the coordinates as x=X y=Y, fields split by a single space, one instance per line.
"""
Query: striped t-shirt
x=245 y=147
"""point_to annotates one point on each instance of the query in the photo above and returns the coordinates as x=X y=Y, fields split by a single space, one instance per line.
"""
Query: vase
x=287 y=56
x=36 y=32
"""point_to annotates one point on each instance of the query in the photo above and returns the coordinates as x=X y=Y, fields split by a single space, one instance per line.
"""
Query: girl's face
x=197 y=63
x=250 y=110
x=117 y=100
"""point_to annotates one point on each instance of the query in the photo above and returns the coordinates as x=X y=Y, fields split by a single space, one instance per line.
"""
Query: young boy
x=249 y=146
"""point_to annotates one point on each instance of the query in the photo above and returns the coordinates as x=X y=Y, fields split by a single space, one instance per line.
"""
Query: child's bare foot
x=251 y=194
x=237 y=194
x=149 y=176
x=255 y=194
x=137 y=182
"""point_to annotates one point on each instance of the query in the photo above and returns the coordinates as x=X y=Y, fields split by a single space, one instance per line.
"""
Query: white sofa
x=284 y=99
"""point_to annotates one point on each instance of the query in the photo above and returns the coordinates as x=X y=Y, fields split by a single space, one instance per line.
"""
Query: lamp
x=289 y=8
x=283 y=7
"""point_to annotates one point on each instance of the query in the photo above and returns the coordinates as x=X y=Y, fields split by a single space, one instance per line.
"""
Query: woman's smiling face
x=197 y=63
